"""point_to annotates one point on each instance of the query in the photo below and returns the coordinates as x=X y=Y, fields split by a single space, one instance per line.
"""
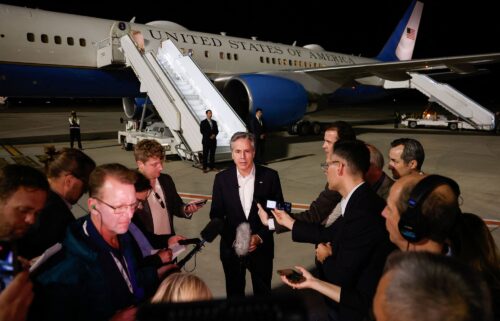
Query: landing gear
x=303 y=128
x=126 y=145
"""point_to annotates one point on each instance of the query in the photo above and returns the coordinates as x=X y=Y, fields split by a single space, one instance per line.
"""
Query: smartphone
x=285 y=206
x=8 y=266
x=200 y=203
x=292 y=275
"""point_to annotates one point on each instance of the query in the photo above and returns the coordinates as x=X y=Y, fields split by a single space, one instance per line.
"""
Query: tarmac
x=469 y=158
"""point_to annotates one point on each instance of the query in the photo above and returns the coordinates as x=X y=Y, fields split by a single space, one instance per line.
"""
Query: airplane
x=50 y=54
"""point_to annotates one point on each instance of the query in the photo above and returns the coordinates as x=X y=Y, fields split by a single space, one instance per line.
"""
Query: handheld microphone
x=189 y=241
x=208 y=234
x=242 y=240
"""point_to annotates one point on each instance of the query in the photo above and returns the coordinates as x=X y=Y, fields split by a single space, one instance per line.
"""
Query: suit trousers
x=235 y=271
x=209 y=153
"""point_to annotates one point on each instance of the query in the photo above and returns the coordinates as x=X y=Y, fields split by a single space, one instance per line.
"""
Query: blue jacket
x=82 y=281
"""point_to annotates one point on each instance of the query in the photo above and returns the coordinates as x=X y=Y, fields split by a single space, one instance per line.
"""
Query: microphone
x=213 y=228
x=208 y=234
x=242 y=240
x=189 y=241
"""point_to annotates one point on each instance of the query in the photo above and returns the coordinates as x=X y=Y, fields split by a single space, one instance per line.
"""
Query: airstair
x=182 y=93
x=451 y=99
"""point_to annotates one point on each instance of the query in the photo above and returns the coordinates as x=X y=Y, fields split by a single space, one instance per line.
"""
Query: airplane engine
x=283 y=101
x=132 y=107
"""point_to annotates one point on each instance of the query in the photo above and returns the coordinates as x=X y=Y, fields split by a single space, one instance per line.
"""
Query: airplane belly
x=49 y=81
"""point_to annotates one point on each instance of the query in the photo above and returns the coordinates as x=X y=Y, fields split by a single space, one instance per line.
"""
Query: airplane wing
x=397 y=70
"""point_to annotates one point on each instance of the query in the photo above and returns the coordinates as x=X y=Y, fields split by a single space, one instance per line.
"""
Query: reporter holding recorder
x=360 y=242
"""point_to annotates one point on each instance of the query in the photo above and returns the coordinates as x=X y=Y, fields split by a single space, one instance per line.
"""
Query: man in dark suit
x=209 y=130
x=163 y=202
x=234 y=197
x=360 y=243
x=258 y=129
x=68 y=173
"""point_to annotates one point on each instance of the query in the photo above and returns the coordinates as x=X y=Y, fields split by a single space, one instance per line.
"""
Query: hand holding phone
x=292 y=275
x=200 y=203
x=194 y=206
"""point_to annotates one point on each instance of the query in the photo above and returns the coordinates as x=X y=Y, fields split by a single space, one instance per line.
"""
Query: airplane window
x=284 y=62
x=235 y=56
x=221 y=55
x=57 y=40
x=31 y=37
x=228 y=56
x=45 y=38
x=274 y=61
x=261 y=59
x=279 y=61
x=267 y=60
x=71 y=41
x=83 y=43
x=206 y=53
x=290 y=62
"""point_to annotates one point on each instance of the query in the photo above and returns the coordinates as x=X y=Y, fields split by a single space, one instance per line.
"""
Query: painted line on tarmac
x=12 y=150
x=296 y=206
x=492 y=223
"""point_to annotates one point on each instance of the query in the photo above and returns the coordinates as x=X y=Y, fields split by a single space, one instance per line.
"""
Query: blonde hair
x=182 y=287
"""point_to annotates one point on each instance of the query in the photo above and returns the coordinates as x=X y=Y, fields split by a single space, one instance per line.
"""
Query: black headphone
x=413 y=226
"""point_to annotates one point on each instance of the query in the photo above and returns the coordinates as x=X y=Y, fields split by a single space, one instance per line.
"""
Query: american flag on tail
x=411 y=33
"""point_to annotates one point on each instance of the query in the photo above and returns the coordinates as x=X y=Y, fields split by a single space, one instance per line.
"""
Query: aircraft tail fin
x=402 y=41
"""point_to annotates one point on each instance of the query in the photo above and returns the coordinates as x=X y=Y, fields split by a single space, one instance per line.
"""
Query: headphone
x=412 y=225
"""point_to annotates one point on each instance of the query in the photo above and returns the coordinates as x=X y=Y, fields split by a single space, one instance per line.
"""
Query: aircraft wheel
x=412 y=124
x=316 y=128
x=304 y=128
x=126 y=146
x=453 y=126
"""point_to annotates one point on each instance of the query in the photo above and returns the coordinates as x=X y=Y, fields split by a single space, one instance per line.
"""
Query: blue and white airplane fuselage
x=49 y=54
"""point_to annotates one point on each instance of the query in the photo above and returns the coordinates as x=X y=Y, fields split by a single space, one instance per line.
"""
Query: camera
x=284 y=206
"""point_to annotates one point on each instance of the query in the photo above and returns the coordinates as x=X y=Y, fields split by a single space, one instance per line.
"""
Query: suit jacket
x=226 y=205
x=49 y=229
x=318 y=211
x=256 y=128
x=384 y=186
x=174 y=205
x=360 y=245
x=207 y=131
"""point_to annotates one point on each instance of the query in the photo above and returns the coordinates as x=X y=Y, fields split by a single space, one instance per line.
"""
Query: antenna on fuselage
x=132 y=20
x=223 y=33
x=294 y=43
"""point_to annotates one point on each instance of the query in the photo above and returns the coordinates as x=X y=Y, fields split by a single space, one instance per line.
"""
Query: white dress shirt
x=246 y=186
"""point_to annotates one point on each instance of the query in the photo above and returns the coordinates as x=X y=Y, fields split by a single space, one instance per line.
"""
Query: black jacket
x=207 y=131
x=360 y=245
x=226 y=205
x=49 y=229
x=175 y=206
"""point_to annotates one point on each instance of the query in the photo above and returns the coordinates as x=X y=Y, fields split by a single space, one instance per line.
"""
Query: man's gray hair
x=412 y=150
x=431 y=287
x=243 y=135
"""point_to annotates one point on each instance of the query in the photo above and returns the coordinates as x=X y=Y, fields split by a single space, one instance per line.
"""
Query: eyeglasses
x=159 y=199
x=324 y=166
x=120 y=209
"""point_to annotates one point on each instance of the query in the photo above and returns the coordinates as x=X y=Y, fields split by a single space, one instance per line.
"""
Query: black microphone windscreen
x=213 y=228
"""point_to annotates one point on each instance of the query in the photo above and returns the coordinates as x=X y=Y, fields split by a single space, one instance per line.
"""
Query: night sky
x=354 y=27
x=447 y=28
